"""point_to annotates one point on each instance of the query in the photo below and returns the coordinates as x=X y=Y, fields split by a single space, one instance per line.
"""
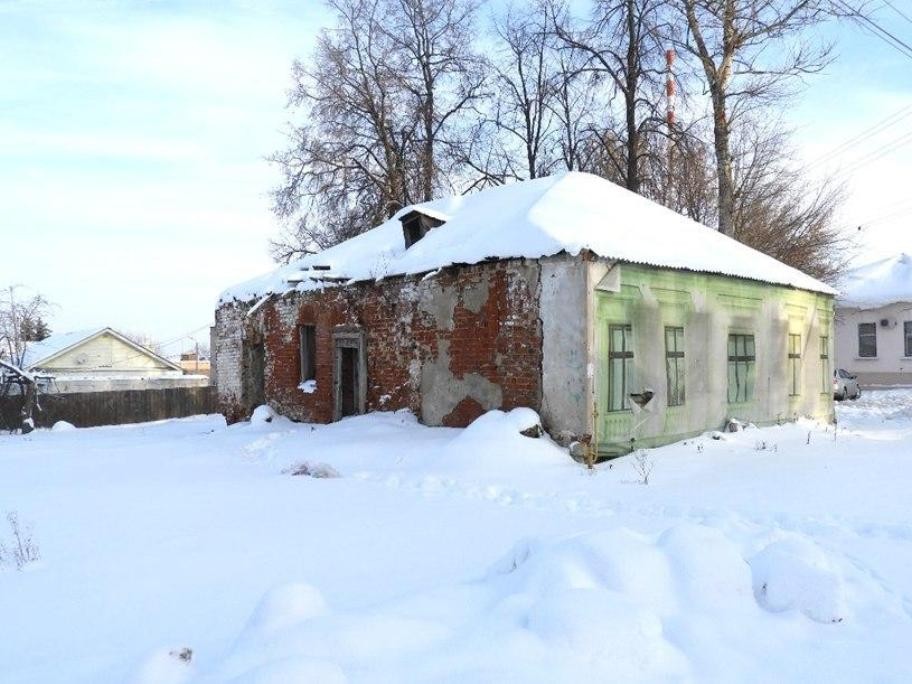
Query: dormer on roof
x=416 y=224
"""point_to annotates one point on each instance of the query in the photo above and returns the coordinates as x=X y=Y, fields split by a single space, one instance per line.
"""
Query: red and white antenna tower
x=670 y=88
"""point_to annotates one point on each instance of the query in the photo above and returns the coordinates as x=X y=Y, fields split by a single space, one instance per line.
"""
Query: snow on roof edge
x=566 y=213
x=878 y=283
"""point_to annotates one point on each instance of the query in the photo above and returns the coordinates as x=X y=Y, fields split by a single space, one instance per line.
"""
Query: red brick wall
x=464 y=328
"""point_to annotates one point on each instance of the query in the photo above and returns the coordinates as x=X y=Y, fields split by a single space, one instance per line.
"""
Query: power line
x=879 y=127
x=878 y=30
x=880 y=218
x=883 y=151
x=162 y=345
x=898 y=11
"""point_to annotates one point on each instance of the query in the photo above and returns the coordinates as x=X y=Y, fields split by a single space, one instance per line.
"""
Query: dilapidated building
x=610 y=315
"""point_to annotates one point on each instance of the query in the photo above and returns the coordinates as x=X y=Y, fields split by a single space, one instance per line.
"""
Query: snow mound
x=795 y=574
x=63 y=426
x=495 y=442
x=615 y=601
x=304 y=670
x=262 y=414
x=163 y=666
x=496 y=425
x=711 y=573
x=285 y=606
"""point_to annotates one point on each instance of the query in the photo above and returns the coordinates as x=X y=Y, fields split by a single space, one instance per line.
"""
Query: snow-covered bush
x=63 y=426
x=21 y=548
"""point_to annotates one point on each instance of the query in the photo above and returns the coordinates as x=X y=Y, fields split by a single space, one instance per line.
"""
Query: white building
x=874 y=322
x=102 y=360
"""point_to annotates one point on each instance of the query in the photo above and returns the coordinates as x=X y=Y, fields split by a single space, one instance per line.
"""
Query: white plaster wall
x=891 y=365
x=565 y=332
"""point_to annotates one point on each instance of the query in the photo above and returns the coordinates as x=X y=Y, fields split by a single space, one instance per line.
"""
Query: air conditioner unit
x=885 y=323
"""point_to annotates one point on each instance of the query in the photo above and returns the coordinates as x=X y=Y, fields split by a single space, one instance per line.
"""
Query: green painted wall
x=709 y=308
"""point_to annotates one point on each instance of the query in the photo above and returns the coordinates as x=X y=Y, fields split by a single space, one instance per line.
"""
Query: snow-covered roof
x=542 y=217
x=37 y=353
x=878 y=283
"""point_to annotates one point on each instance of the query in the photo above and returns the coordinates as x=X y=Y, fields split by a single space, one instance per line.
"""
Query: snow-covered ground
x=440 y=555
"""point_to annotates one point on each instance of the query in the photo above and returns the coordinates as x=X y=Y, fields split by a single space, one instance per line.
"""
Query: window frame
x=307 y=352
x=745 y=360
x=826 y=374
x=872 y=335
x=614 y=403
x=907 y=338
x=677 y=395
x=794 y=361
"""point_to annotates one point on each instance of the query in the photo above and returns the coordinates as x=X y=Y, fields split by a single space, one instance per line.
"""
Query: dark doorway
x=254 y=385
x=349 y=373
x=348 y=381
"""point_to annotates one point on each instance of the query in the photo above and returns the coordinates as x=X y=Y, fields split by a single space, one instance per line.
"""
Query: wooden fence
x=88 y=409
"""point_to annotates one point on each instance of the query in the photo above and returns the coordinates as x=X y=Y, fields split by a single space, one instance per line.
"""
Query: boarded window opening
x=307 y=336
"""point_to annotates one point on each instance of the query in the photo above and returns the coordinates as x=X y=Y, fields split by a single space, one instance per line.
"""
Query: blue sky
x=132 y=138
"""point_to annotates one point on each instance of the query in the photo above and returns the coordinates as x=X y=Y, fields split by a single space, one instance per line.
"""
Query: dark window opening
x=307 y=335
x=674 y=365
x=867 y=340
x=416 y=225
x=907 y=334
x=413 y=231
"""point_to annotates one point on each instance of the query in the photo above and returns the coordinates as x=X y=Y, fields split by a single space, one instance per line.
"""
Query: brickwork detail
x=446 y=347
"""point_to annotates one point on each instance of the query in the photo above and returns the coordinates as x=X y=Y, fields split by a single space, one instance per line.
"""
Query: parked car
x=845 y=385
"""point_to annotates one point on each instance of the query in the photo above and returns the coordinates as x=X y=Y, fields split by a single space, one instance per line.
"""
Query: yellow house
x=102 y=360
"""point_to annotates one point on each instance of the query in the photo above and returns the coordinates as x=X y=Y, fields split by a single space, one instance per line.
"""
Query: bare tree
x=780 y=212
x=574 y=106
x=443 y=77
x=620 y=42
x=382 y=101
x=347 y=166
x=527 y=85
x=749 y=52
x=21 y=319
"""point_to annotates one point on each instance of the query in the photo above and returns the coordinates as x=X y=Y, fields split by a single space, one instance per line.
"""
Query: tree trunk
x=630 y=101
x=726 y=184
x=28 y=408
